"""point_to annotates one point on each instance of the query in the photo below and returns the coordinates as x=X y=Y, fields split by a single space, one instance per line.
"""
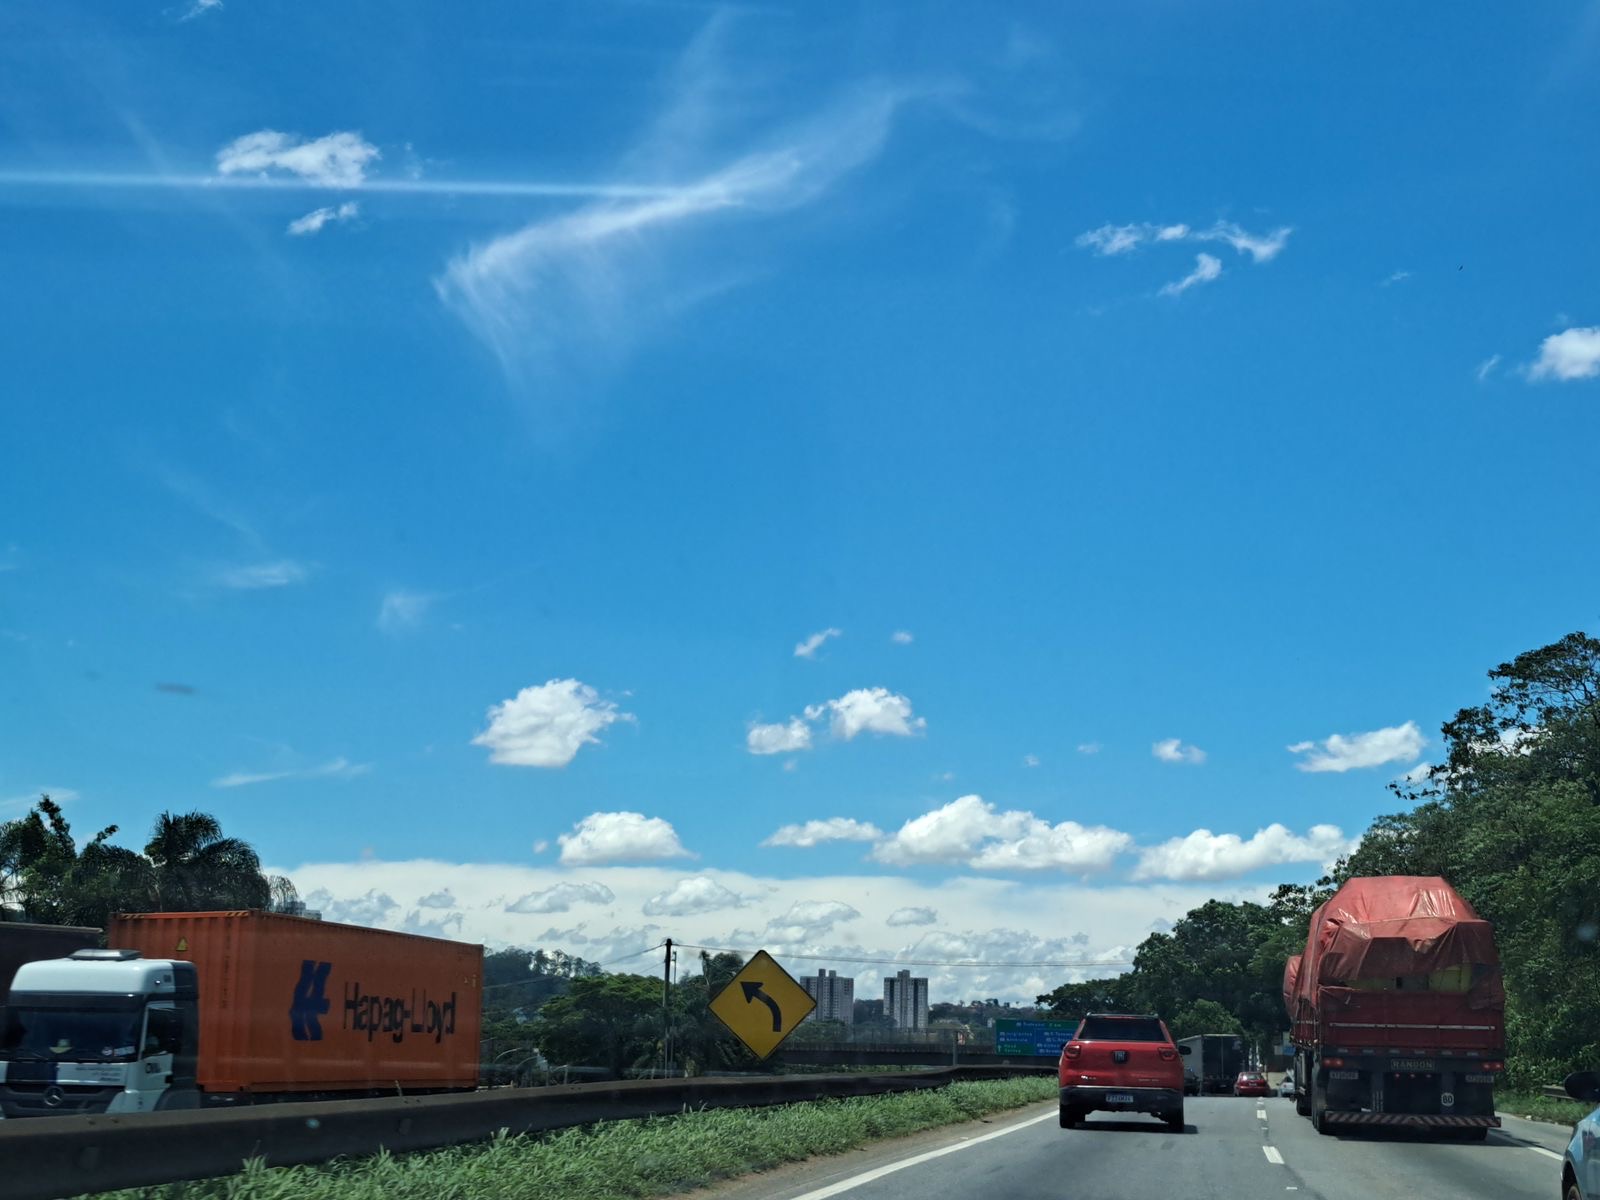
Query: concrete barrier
x=52 y=1157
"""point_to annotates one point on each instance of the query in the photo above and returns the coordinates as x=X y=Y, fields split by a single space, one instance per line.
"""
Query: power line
x=913 y=962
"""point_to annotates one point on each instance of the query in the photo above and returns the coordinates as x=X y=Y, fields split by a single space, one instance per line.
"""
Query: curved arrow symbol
x=752 y=992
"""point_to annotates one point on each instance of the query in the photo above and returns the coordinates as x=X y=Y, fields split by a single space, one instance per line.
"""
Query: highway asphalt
x=1233 y=1149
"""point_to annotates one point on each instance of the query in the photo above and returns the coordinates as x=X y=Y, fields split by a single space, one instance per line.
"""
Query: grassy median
x=614 y=1160
x=1536 y=1106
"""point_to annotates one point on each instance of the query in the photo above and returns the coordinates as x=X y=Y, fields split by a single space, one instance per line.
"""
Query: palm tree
x=199 y=870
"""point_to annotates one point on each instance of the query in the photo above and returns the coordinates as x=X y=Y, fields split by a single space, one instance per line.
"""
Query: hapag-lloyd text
x=394 y=1016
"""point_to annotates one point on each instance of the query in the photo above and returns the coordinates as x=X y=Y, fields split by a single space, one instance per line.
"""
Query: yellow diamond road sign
x=762 y=1005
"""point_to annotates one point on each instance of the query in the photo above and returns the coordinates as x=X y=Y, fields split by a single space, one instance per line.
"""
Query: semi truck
x=21 y=942
x=1217 y=1058
x=184 y=1010
x=1397 y=1010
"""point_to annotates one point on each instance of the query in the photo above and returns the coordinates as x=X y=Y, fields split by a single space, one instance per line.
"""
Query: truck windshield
x=69 y=1035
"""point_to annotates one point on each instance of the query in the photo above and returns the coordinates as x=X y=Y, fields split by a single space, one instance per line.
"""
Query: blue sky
x=430 y=434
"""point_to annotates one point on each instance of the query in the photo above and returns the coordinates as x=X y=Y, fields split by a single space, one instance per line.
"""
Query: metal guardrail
x=52 y=1157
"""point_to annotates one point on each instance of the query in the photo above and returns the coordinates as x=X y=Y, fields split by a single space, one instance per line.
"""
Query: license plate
x=1478 y=1078
x=1412 y=1064
x=1119 y=1097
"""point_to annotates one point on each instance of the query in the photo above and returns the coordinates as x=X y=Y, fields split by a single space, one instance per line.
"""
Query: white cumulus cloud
x=1349 y=751
x=780 y=738
x=833 y=829
x=809 y=647
x=314 y=221
x=969 y=830
x=688 y=897
x=546 y=726
x=336 y=160
x=561 y=898
x=1206 y=855
x=869 y=710
x=611 y=837
x=914 y=915
x=902 y=637
x=1089 y=747
x=440 y=899
x=1207 y=267
x=807 y=920
x=1571 y=354
x=1173 y=750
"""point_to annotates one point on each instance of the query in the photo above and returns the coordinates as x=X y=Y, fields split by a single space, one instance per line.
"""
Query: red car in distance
x=1251 y=1083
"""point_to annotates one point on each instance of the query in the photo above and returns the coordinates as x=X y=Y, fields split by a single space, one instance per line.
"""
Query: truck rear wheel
x=1174 y=1119
x=1070 y=1116
x=1302 y=1104
x=1319 y=1108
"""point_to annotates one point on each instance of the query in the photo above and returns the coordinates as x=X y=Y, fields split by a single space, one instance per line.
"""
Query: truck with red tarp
x=1397 y=1010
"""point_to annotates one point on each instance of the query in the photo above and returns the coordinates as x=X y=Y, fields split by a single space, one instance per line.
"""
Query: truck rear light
x=1072 y=1050
x=1168 y=1055
x=1494 y=1066
x=1333 y=1062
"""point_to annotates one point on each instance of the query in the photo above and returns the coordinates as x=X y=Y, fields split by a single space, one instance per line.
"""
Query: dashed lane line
x=1272 y=1155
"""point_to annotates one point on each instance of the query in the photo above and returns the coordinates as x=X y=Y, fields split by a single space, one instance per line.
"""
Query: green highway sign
x=1042 y=1039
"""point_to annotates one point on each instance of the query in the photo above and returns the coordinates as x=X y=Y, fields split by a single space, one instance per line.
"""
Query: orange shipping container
x=290 y=1005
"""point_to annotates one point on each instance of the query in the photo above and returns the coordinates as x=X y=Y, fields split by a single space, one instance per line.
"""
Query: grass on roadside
x=620 y=1160
x=1539 y=1107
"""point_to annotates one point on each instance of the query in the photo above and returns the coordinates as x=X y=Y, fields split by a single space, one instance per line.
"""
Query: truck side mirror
x=1185 y=1049
x=1583 y=1085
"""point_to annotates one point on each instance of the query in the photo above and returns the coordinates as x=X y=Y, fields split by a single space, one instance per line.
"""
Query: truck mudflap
x=1413 y=1120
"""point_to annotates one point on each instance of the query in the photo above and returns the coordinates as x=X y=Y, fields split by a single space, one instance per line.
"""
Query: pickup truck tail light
x=1333 y=1062
x=1072 y=1049
x=1494 y=1066
x=1167 y=1055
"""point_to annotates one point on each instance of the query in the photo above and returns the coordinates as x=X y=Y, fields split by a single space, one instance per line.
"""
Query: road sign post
x=762 y=1005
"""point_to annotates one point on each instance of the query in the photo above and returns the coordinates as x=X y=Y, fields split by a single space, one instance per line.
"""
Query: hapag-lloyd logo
x=396 y=1017
x=366 y=1011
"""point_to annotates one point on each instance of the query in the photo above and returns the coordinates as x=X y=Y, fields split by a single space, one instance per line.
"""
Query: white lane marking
x=1272 y=1155
x=1546 y=1153
x=1261 y=1114
x=855 y=1181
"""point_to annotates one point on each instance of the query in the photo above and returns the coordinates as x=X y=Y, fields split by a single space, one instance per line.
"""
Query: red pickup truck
x=1121 y=1063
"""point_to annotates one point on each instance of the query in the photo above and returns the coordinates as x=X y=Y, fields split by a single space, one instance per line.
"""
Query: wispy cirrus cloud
x=809 y=647
x=1110 y=240
x=1207 y=267
x=284 y=572
x=568 y=290
x=339 y=768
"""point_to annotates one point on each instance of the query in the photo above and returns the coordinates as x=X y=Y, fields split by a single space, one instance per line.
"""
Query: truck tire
x=1319 y=1108
x=1174 y=1119
x=1475 y=1135
x=1071 y=1117
x=1302 y=1104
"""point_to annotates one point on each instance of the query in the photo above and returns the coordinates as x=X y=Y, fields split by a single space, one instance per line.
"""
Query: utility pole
x=666 y=1009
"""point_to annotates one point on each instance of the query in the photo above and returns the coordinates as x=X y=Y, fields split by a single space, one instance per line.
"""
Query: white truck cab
x=102 y=1031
